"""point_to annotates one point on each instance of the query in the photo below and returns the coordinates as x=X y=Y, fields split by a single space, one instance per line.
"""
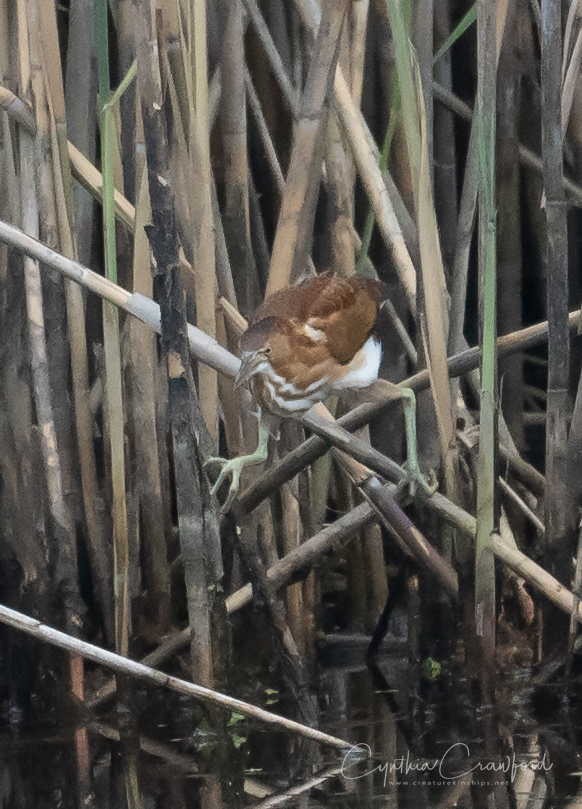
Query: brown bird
x=303 y=343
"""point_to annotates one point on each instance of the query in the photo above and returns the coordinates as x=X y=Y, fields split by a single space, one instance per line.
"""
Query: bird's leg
x=416 y=477
x=235 y=466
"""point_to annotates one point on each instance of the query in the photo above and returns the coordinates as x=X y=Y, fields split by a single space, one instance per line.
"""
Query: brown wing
x=293 y=303
x=346 y=311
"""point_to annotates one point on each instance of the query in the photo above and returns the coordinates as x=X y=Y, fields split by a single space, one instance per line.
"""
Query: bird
x=303 y=343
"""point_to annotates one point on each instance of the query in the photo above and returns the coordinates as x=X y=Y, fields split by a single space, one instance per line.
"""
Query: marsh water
x=416 y=729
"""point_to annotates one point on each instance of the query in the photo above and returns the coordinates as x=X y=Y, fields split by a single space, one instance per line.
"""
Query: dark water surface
x=418 y=719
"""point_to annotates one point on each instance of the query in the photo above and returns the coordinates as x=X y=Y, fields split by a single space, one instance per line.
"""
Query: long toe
x=230 y=468
x=232 y=493
x=215 y=459
x=417 y=482
x=431 y=482
x=219 y=481
x=227 y=469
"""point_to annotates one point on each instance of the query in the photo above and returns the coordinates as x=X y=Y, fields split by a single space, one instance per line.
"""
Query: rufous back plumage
x=308 y=339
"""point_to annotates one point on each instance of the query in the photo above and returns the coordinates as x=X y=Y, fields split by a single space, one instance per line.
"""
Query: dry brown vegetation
x=202 y=154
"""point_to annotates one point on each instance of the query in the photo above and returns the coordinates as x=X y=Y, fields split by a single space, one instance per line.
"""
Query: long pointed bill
x=248 y=366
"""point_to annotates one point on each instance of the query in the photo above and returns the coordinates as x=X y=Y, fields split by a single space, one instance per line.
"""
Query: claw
x=417 y=482
x=235 y=466
x=232 y=468
x=416 y=479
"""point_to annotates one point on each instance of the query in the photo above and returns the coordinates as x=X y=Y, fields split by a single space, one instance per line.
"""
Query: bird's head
x=266 y=342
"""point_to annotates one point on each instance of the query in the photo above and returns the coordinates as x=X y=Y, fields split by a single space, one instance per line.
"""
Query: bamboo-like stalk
x=55 y=467
x=445 y=151
x=65 y=539
x=432 y=270
x=193 y=497
x=236 y=217
x=114 y=418
x=557 y=270
x=35 y=173
x=365 y=154
x=204 y=256
x=361 y=144
x=142 y=362
x=509 y=251
x=92 y=180
x=294 y=230
x=485 y=620
x=17 y=109
x=81 y=103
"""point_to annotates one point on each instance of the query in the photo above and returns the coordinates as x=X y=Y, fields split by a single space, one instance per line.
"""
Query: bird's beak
x=250 y=360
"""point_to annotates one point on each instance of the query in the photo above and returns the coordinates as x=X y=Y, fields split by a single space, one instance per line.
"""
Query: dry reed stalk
x=57 y=475
x=434 y=292
x=22 y=499
x=358 y=31
x=291 y=530
x=339 y=188
x=366 y=156
x=142 y=361
x=17 y=109
x=293 y=669
x=36 y=173
x=204 y=252
x=293 y=236
x=286 y=568
x=521 y=504
x=383 y=194
x=210 y=352
x=557 y=270
x=445 y=152
x=467 y=211
x=389 y=513
x=193 y=497
x=113 y=409
x=509 y=250
x=65 y=543
x=236 y=216
x=92 y=499
x=124 y=665
x=276 y=63
x=264 y=134
x=487 y=517
x=340 y=175
x=422 y=36
x=92 y=181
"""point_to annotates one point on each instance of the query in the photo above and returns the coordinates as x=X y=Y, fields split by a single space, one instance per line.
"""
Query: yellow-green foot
x=233 y=468
x=417 y=481
x=230 y=468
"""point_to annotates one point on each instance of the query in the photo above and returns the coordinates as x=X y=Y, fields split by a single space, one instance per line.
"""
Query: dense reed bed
x=172 y=162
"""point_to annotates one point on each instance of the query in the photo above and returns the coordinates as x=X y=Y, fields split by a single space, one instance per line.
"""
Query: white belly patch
x=363 y=369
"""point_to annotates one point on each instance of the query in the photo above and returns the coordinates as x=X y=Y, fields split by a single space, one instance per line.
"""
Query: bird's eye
x=267 y=350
